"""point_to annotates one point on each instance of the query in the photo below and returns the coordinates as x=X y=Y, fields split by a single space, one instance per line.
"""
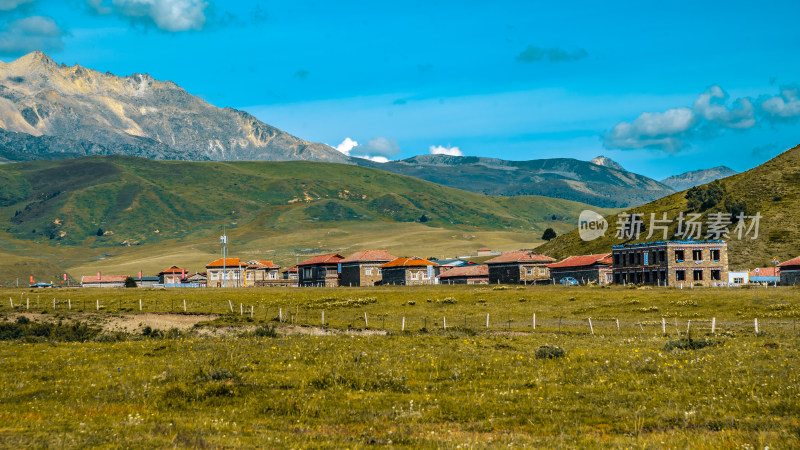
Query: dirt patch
x=135 y=322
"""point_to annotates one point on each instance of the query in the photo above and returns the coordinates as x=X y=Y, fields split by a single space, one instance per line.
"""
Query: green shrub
x=550 y=352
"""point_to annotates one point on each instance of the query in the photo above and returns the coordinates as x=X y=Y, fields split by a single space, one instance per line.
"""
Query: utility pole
x=223 y=240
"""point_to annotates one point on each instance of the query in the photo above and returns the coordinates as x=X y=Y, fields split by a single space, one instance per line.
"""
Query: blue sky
x=661 y=87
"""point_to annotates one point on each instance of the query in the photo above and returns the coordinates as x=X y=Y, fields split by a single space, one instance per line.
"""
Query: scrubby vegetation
x=242 y=381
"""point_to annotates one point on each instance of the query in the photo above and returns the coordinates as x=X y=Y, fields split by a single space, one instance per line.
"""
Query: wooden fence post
x=755 y=322
x=487 y=321
x=713 y=324
x=591 y=328
x=184 y=305
x=617 y=320
x=403 y=325
x=366 y=324
x=534 y=321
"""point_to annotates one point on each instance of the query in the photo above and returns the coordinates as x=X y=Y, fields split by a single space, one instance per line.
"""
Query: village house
x=104 y=281
x=409 y=272
x=585 y=269
x=319 y=271
x=484 y=252
x=466 y=274
x=198 y=279
x=520 y=267
x=764 y=275
x=740 y=277
x=447 y=264
x=173 y=275
x=263 y=273
x=790 y=272
x=671 y=263
x=363 y=268
x=228 y=272
x=147 y=282
x=290 y=276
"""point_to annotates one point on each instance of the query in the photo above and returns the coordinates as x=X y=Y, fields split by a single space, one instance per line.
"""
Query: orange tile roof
x=370 y=255
x=467 y=271
x=408 y=262
x=229 y=262
x=103 y=279
x=768 y=271
x=173 y=269
x=254 y=264
x=291 y=269
x=519 y=256
x=583 y=260
x=791 y=262
x=333 y=258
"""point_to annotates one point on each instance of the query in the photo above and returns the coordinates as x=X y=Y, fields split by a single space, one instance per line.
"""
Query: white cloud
x=31 y=33
x=380 y=146
x=711 y=106
x=439 y=150
x=346 y=146
x=376 y=149
x=8 y=5
x=167 y=15
x=653 y=130
x=784 y=106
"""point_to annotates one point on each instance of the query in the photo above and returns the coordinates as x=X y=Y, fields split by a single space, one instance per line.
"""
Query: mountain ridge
x=694 y=178
x=39 y=97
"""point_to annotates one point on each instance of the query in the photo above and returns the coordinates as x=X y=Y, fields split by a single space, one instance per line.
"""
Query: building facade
x=671 y=263
x=228 y=272
x=173 y=275
x=585 y=269
x=104 y=281
x=790 y=272
x=319 y=271
x=520 y=267
x=263 y=273
x=363 y=268
x=409 y=272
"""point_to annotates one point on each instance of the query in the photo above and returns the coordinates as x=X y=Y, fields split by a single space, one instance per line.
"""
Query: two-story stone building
x=671 y=263
x=228 y=272
x=319 y=271
x=584 y=268
x=520 y=267
x=363 y=268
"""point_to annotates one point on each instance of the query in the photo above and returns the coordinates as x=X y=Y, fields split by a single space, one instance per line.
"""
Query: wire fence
x=394 y=322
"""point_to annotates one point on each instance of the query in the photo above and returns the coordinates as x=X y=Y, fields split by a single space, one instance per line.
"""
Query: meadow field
x=257 y=367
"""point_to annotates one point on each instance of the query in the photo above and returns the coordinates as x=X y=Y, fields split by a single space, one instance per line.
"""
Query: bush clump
x=24 y=329
x=550 y=352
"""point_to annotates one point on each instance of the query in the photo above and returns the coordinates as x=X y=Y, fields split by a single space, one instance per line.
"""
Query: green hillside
x=771 y=189
x=75 y=211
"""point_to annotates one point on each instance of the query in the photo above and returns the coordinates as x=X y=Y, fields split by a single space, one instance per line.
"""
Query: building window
x=680 y=275
x=616 y=259
x=698 y=274
x=662 y=255
x=542 y=271
x=697 y=255
x=368 y=271
x=530 y=272
x=738 y=280
x=214 y=275
x=715 y=255
x=273 y=275
x=715 y=274
x=679 y=256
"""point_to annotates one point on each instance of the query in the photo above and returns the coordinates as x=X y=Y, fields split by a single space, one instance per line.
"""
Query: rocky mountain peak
x=607 y=162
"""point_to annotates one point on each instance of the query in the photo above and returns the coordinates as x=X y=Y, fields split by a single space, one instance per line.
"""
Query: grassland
x=233 y=380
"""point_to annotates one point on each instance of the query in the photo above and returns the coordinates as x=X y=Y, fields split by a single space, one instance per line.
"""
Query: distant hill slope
x=565 y=178
x=697 y=177
x=771 y=189
x=78 y=111
x=139 y=202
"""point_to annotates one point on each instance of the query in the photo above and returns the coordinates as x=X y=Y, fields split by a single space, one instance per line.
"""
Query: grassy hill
x=771 y=189
x=113 y=212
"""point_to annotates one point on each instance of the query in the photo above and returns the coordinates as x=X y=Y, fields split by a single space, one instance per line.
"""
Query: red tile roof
x=291 y=269
x=520 y=256
x=173 y=269
x=322 y=259
x=369 y=255
x=768 y=271
x=103 y=279
x=475 y=271
x=791 y=262
x=583 y=260
x=229 y=262
x=408 y=262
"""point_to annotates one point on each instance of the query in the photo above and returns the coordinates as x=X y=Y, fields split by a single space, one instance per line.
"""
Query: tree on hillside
x=548 y=234
x=701 y=198
x=100 y=232
x=423 y=218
